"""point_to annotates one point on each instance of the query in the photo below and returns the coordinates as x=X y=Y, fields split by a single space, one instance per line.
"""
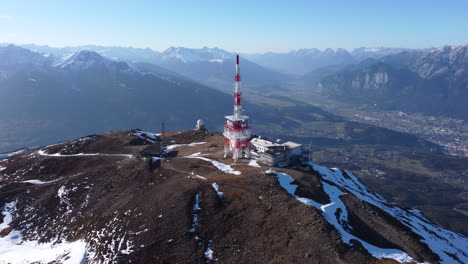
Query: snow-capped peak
x=80 y=60
x=192 y=55
x=317 y=52
x=85 y=59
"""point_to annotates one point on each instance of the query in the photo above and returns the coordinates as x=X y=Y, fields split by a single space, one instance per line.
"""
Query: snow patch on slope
x=11 y=154
x=329 y=212
x=172 y=147
x=13 y=249
x=62 y=194
x=148 y=136
x=196 y=208
x=197 y=176
x=43 y=153
x=209 y=252
x=216 y=187
x=221 y=166
x=253 y=163
x=8 y=208
x=38 y=182
x=443 y=242
x=118 y=236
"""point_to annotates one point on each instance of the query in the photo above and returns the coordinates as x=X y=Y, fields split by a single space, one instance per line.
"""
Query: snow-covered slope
x=447 y=62
x=15 y=249
x=80 y=60
x=89 y=60
x=449 y=246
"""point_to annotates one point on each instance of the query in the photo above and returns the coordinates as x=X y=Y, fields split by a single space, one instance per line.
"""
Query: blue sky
x=241 y=26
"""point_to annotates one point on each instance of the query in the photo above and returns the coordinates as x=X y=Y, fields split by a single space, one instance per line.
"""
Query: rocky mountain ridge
x=434 y=82
x=299 y=61
x=46 y=98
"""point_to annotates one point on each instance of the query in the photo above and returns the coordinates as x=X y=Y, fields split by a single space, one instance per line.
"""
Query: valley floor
x=448 y=132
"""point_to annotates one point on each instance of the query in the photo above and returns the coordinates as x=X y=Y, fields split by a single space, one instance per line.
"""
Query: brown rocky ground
x=130 y=211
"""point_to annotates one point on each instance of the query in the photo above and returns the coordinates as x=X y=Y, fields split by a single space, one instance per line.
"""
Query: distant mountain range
x=209 y=66
x=430 y=81
x=128 y=54
x=45 y=98
x=83 y=92
x=433 y=81
x=306 y=60
x=297 y=61
x=213 y=66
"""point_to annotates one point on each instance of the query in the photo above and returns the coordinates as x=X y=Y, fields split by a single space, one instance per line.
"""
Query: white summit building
x=275 y=153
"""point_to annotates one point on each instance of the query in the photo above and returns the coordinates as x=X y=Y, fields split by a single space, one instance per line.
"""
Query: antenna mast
x=237 y=131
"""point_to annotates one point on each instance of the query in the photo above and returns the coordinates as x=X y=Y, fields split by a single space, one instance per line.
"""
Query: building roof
x=269 y=144
x=263 y=143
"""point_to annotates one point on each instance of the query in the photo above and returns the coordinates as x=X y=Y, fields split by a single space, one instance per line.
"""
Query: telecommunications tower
x=237 y=132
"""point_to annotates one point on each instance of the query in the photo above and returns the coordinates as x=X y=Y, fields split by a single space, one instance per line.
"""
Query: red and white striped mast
x=237 y=93
x=237 y=131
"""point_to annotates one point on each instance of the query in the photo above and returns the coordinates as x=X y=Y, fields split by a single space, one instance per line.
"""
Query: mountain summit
x=80 y=60
x=119 y=198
